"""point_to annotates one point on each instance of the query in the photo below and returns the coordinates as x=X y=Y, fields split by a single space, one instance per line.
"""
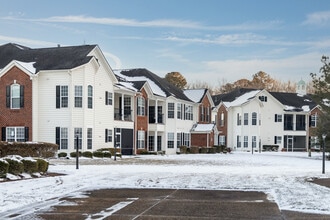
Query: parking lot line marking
x=155 y=204
x=109 y=211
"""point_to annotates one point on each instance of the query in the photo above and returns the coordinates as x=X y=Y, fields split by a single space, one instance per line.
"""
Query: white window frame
x=170 y=140
x=141 y=139
x=15 y=96
x=78 y=96
x=141 y=106
x=15 y=134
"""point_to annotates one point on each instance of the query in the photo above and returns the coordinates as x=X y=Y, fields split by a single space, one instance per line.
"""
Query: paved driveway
x=165 y=204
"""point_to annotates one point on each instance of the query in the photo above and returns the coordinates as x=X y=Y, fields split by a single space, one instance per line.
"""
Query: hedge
x=4 y=166
x=42 y=165
x=16 y=166
x=28 y=149
x=30 y=165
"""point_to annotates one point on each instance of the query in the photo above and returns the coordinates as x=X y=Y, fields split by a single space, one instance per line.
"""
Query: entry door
x=290 y=143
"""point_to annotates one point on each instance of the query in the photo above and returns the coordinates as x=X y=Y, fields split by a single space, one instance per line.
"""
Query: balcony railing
x=127 y=114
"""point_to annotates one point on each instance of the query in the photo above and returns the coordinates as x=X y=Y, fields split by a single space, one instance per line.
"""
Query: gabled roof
x=231 y=96
x=195 y=95
x=294 y=101
x=55 y=58
x=158 y=85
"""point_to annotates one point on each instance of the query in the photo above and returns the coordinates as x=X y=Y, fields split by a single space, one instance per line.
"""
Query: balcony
x=152 y=119
x=119 y=115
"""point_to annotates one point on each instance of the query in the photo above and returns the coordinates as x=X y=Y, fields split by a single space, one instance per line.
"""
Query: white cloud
x=318 y=18
x=26 y=42
x=113 y=60
x=292 y=68
x=172 y=23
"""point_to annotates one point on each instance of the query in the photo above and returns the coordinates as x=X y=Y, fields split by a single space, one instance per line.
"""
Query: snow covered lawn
x=282 y=175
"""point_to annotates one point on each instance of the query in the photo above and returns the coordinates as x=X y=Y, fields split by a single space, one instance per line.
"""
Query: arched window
x=15 y=96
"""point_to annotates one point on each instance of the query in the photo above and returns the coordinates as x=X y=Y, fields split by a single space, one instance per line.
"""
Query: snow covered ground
x=281 y=175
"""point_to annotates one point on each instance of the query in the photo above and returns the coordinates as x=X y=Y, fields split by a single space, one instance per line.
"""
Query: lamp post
x=77 y=150
x=323 y=156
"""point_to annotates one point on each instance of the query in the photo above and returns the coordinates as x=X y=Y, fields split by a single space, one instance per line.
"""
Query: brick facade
x=21 y=117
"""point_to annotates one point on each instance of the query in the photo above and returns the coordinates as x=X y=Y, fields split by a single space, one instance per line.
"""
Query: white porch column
x=122 y=107
x=156 y=111
x=155 y=141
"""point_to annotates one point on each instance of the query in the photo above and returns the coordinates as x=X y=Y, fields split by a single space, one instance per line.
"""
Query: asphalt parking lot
x=140 y=204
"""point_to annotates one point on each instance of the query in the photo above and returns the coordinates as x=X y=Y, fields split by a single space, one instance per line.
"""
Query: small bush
x=74 y=154
x=4 y=166
x=42 y=165
x=98 y=154
x=16 y=166
x=203 y=150
x=28 y=149
x=184 y=149
x=30 y=165
x=87 y=154
x=106 y=154
x=211 y=150
x=194 y=150
x=62 y=154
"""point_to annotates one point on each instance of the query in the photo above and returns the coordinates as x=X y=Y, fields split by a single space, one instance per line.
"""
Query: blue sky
x=210 y=41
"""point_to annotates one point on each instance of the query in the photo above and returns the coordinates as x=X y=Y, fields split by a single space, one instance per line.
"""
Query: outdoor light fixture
x=323 y=157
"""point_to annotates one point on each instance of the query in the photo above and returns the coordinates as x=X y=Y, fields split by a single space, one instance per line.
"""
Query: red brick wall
x=205 y=103
x=200 y=140
x=16 y=117
x=222 y=129
x=142 y=121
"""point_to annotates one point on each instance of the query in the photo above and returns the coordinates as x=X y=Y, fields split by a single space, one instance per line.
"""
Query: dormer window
x=15 y=96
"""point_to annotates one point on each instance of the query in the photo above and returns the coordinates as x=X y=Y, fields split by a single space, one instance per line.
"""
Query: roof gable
x=294 y=101
x=55 y=58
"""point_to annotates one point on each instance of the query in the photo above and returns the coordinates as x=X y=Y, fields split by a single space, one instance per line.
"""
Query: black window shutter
x=3 y=135
x=275 y=140
x=275 y=117
x=21 y=96
x=57 y=135
x=58 y=97
x=106 y=135
x=8 y=96
x=106 y=98
x=26 y=133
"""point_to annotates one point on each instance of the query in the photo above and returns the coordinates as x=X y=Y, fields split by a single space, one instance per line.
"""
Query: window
x=239 y=141
x=90 y=96
x=108 y=135
x=222 y=119
x=78 y=96
x=16 y=134
x=254 y=118
x=201 y=114
x=140 y=140
x=239 y=119
x=61 y=138
x=127 y=108
x=170 y=140
x=62 y=96
x=313 y=120
x=78 y=132
x=288 y=122
x=300 y=122
x=151 y=143
x=179 y=110
x=186 y=140
x=278 y=118
x=254 y=142
x=170 y=110
x=263 y=98
x=89 y=138
x=188 y=112
x=246 y=118
x=178 y=139
x=246 y=141
x=277 y=140
x=108 y=98
x=208 y=114
x=141 y=106
x=15 y=96
x=222 y=140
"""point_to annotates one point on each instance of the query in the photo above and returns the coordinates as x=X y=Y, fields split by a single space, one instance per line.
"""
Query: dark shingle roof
x=294 y=100
x=168 y=88
x=231 y=96
x=55 y=58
